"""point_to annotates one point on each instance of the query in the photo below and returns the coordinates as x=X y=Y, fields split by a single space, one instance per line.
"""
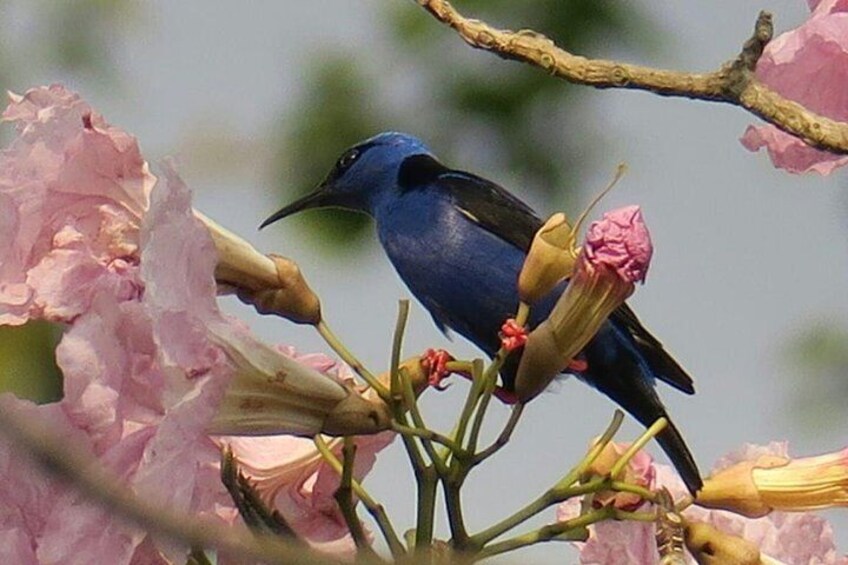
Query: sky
x=745 y=255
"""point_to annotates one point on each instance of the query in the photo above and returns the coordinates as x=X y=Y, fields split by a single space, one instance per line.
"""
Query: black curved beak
x=317 y=199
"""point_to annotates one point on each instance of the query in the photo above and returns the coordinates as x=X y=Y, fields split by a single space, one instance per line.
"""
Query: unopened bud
x=551 y=258
x=710 y=546
x=638 y=471
x=755 y=488
x=271 y=283
x=292 y=298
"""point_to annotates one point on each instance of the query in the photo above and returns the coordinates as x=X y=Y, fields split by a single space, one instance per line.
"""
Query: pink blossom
x=292 y=477
x=800 y=537
x=91 y=238
x=808 y=65
x=638 y=471
x=620 y=240
x=72 y=192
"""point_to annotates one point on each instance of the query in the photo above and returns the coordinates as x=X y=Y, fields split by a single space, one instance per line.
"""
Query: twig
x=734 y=83
x=503 y=438
x=562 y=490
x=429 y=435
x=377 y=511
x=102 y=488
x=646 y=436
x=335 y=343
x=344 y=498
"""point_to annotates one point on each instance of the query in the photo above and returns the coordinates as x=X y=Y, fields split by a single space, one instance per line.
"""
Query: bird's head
x=362 y=177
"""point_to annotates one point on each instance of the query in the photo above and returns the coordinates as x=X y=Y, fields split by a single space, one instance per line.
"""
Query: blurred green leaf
x=818 y=357
x=27 y=363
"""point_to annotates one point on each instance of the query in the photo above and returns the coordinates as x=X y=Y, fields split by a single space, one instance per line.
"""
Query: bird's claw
x=577 y=365
x=506 y=396
x=512 y=335
x=435 y=363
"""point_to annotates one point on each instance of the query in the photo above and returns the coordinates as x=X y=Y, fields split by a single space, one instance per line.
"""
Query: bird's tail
x=672 y=443
x=640 y=399
x=619 y=373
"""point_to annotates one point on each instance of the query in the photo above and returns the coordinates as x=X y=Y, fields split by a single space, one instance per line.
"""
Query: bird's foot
x=512 y=335
x=506 y=396
x=577 y=365
x=435 y=363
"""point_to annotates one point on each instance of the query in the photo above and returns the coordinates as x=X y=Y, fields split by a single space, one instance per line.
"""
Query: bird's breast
x=463 y=274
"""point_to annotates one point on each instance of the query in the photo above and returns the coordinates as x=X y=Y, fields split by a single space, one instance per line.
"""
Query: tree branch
x=99 y=486
x=734 y=83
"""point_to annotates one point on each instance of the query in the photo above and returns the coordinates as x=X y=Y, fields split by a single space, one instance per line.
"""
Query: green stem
x=641 y=492
x=477 y=388
x=522 y=314
x=418 y=420
x=546 y=533
x=453 y=501
x=397 y=344
x=593 y=453
x=375 y=509
x=647 y=436
x=429 y=435
x=427 y=483
x=344 y=498
x=552 y=496
x=502 y=439
x=352 y=361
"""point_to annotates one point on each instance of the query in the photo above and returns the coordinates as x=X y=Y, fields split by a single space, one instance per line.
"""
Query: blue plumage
x=458 y=241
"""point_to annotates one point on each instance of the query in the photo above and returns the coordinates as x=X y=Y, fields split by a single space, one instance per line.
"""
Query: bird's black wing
x=662 y=364
x=499 y=212
x=481 y=201
x=492 y=208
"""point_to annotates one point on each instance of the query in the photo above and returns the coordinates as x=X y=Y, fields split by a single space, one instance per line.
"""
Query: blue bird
x=458 y=241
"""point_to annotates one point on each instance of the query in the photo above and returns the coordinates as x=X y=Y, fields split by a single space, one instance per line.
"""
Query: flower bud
x=273 y=394
x=755 y=488
x=710 y=546
x=292 y=298
x=271 y=283
x=615 y=256
x=551 y=258
x=638 y=471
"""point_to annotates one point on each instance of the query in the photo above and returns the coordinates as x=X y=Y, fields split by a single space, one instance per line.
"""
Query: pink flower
x=638 y=471
x=615 y=255
x=809 y=65
x=620 y=240
x=292 y=477
x=72 y=193
x=790 y=537
x=147 y=357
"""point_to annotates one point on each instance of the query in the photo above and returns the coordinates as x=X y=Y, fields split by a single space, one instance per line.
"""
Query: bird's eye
x=348 y=158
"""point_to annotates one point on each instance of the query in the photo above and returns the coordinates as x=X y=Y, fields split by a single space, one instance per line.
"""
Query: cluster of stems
x=446 y=461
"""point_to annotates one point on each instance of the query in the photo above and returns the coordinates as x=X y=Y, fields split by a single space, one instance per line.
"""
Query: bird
x=458 y=241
